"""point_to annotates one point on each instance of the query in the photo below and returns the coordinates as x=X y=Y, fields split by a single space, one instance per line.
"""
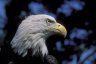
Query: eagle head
x=33 y=32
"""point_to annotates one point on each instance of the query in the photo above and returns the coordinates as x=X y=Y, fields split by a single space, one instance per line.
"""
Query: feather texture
x=31 y=34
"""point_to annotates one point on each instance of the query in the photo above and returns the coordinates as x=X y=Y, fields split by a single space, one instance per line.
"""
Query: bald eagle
x=32 y=34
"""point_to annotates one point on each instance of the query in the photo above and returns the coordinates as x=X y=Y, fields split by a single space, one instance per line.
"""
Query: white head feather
x=31 y=34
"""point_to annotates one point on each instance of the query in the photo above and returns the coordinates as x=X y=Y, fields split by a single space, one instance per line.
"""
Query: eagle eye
x=49 y=22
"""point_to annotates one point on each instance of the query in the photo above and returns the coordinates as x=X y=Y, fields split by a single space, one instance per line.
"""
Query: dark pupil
x=50 y=21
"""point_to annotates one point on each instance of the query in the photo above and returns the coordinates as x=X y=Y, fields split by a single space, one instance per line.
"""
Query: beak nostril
x=58 y=25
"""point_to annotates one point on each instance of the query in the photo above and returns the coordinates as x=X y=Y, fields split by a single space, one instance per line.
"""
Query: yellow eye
x=49 y=22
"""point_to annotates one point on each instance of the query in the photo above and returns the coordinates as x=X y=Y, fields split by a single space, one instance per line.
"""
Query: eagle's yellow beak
x=60 y=29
